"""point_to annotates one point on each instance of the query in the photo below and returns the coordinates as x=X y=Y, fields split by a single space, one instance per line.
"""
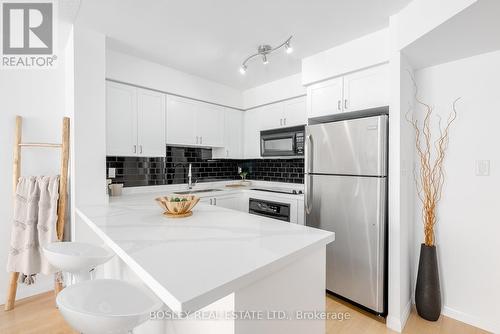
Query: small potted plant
x=243 y=174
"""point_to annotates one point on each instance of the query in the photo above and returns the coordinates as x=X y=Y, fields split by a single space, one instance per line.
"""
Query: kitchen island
x=255 y=272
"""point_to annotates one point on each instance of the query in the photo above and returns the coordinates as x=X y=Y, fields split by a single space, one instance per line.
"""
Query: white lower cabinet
x=233 y=201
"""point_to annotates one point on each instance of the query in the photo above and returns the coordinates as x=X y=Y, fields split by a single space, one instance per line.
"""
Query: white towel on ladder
x=35 y=225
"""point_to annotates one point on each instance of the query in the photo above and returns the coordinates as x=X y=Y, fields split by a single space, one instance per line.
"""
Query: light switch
x=111 y=172
x=482 y=167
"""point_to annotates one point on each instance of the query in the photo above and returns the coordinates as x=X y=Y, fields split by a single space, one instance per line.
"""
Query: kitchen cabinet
x=150 y=123
x=272 y=116
x=135 y=121
x=233 y=201
x=366 y=89
x=181 y=114
x=361 y=90
x=295 y=112
x=251 y=133
x=283 y=114
x=325 y=98
x=233 y=136
x=194 y=123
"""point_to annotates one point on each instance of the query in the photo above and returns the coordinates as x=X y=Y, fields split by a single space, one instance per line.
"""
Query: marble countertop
x=192 y=262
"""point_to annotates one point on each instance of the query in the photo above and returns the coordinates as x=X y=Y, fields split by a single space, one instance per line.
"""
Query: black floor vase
x=428 y=291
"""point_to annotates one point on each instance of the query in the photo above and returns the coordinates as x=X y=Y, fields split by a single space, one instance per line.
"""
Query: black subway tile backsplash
x=173 y=169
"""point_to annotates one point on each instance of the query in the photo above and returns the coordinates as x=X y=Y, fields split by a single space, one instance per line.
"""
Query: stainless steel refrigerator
x=346 y=193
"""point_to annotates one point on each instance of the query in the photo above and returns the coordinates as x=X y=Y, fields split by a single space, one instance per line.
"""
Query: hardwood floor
x=38 y=315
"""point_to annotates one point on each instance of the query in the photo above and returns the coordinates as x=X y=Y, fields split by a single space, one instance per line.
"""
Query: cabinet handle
x=140 y=149
x=284 y=121
x=338 y=105
x=227 y=153
x=281 y=121
x=215 y=201
x=135 y=148
x=345 y=104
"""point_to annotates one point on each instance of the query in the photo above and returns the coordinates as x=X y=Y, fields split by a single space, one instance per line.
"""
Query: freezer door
x=351 y=147
x=353 y=208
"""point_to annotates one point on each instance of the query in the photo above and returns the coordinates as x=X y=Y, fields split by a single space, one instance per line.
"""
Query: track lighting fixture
x=264 y=50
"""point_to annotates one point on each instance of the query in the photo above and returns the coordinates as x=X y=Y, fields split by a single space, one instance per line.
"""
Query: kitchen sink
x=196 y=191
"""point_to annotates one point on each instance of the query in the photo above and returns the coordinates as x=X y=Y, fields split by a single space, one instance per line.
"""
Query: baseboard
x=398 y=324
x=471 y=320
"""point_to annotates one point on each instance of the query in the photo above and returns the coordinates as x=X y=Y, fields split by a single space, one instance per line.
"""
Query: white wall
x=468 y=226
x=366 y=51
x=130 y=69
x=89 y=125
x=38 y=96
x=281 y=89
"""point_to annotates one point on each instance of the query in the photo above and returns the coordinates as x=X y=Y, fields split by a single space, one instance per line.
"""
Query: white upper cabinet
x=325 y=98
x=210 y=125
x=121 y=119
x=251 y=133
x=366 y=89
x=294 y=112
x=180 y=126
x=194 y=123
x=135 y=121
x=233 y=136
x=150 y=123
x=271 y=116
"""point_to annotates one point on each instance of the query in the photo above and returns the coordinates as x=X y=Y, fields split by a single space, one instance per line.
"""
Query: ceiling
x=211 y=38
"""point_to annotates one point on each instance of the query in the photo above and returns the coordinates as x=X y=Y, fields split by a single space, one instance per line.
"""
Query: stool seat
x=106 y=306
x=75 y=257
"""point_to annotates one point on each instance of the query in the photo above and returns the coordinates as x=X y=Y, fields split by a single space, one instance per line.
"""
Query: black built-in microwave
x=282 y=142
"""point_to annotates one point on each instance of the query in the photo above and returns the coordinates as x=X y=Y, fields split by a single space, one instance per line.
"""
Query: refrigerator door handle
x=308 y=154
x=309 y=189
x=307 y=176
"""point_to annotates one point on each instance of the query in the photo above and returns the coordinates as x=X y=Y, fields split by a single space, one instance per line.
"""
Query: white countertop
x=192 y=262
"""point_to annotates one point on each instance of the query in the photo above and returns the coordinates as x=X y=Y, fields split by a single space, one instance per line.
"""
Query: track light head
x=243 y=69
x=288 y=48
x=265 y=61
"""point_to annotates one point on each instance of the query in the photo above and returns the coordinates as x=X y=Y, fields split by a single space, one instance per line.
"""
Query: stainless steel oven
x=269 y=209
x=282 y=142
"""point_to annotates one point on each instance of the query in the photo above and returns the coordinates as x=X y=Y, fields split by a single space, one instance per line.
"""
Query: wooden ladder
x=63 y=196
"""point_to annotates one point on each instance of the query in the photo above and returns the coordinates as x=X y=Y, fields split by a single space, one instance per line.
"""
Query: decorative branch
x=430 y=177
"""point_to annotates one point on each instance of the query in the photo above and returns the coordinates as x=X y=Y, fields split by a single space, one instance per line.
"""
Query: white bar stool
x=77 y=258
x=106 y=306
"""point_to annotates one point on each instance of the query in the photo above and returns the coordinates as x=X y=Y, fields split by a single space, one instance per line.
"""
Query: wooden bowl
x=177 y=209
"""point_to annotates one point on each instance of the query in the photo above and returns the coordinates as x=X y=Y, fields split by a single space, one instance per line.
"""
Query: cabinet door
x=294 y=112
x=150 y=123
x=271 y=116
x=251 y=134
x=233 y=136
x=121 y=119
x=230 y=202
x=325 y=98
x=366 y=89
x=180 y=125
x=210 y=125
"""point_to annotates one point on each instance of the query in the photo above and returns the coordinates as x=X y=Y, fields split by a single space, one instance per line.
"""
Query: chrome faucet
x=190 y=175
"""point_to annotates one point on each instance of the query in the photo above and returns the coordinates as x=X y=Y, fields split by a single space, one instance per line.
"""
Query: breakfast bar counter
x=218 y=259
